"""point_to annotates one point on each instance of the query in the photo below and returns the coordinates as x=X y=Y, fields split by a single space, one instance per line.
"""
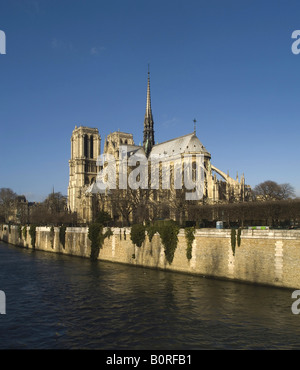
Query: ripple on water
x=56 y=301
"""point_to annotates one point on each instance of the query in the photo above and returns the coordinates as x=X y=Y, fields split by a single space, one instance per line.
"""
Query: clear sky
x=227 y=63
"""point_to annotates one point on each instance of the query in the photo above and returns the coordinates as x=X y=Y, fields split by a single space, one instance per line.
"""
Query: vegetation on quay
x=24 y=232
x=32 y=233
x=97 y=235
x=137 y=234
x=20 y=231
x=189 y=235
x=52 y=235
x=235 y=239
x=62 y=235
x=168 y=231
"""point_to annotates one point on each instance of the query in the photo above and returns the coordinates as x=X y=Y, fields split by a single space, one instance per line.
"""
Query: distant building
x=20 y=210
x=85 y=199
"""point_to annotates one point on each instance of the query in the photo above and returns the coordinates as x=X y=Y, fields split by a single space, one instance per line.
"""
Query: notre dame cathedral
x=127 y=205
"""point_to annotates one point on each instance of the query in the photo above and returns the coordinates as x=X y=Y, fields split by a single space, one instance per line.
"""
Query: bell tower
x=85 y=149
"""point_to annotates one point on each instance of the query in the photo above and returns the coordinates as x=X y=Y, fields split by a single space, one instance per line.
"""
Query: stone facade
x=269 y=257
x=85 y=149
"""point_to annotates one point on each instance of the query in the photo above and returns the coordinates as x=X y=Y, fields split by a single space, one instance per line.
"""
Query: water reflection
x=56 y=301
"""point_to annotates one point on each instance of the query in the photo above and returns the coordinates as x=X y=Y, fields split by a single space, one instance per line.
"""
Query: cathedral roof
x=183 y=144
x=134 y=149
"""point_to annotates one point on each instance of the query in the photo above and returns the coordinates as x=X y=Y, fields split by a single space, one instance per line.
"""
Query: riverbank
x=268 y=257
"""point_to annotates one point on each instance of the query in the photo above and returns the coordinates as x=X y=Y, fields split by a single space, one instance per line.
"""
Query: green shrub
x=32 y=233
x=52 y=236
x=20 y=231
x=168 y=233
x=24 y=231
x=95 y=231
x=151 y=230
x=108 y=233
x=62 y=235
x=103 y=218
x=189 y=235
x=233 y=240
x=238 y=237
x=137 y=234
x=97 y=238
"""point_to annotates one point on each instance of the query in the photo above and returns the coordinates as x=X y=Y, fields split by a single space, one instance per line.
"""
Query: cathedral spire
x=148 y=140
x=148 y=105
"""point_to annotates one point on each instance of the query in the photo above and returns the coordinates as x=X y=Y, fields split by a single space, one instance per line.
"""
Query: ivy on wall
x=62 y=235
x=151 y=230
x=32 y=233
x=189 y=235
x=24 y=232
x=52 y=236
x=238 y=237
x=168 y=231
x=20 y=231
x=233 y=240
x=137 y=234
x=97 y=238
x=108 y=233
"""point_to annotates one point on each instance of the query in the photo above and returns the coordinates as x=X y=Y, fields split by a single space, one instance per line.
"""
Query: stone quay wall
x=268 y=257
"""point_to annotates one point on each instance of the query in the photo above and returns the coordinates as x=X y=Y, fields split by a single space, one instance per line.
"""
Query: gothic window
x=172 y=176
x=85 y=146
x=92 y=146
x=194 y=165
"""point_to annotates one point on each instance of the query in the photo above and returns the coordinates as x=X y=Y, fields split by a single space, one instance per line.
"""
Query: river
x=62 y=302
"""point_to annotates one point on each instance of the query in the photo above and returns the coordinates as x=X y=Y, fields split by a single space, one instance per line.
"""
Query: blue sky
x=228 y=64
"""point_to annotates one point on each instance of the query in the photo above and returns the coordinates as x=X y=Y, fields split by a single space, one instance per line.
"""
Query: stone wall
x=268 y=257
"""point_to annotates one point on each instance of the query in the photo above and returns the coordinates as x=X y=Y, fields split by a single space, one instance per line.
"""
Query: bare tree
x=287 y=191
x=7 y=203
x=52 y=211
x=129 y=205
x=55 y=202
x=270 y=190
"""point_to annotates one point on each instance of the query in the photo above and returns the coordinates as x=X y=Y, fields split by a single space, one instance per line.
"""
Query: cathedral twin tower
x=85 y=149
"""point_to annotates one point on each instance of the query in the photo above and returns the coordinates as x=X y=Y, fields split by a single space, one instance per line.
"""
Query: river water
x=61 y=302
